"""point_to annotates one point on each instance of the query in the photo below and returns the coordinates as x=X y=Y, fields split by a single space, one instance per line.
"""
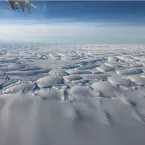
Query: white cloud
x=71 y=33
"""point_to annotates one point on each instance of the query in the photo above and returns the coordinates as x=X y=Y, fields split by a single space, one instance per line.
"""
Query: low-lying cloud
x=71 y=33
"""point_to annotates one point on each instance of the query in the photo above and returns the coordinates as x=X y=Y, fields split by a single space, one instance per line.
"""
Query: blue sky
x=103 y=22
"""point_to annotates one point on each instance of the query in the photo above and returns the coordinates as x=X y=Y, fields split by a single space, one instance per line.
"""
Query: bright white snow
x=72 y=94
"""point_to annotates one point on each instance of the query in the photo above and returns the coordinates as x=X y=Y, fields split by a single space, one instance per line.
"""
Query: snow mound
x=130 y=71
x=19 y=88
x=120 y=113
x=6 y=82
x=54 y=57
x=49 y=81
x=105 y=89
x=106 y=68
x=81 y=81
x=136 y=98
x=15 y=67
x=26 y=73
x=89 y=66
x=99 y=77
x=126 y=58
x=136 y=65
x=71 y=57
x=17 y=72
x=91 y=60
x=80 y=93
x=8 y=59
x=70 y=66
x=58 y=72
x=120 y=81
x=113 y=59
x=80 y=72
x=30 y=68
x=97 y=71
x=86 y=61
x=49 y=94
x=138 y=80
x=72 y=77
x=115 y=64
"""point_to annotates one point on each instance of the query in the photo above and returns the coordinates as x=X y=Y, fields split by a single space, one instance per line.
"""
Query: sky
x=85 y=22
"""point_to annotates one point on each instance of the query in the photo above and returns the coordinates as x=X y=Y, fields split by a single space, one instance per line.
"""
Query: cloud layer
x=71 y=33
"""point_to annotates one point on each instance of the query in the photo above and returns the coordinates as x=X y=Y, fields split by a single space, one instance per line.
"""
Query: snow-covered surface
x=72 y=94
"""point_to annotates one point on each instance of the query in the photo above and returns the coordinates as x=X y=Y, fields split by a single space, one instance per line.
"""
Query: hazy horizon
x=75 y=22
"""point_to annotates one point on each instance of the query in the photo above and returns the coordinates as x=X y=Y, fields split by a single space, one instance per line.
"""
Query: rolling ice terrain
x=72 y=94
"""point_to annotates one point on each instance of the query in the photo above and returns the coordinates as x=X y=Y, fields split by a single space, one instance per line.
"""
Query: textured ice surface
x=49 y=81
x=106 y=68
x=52 y=94
x=80 y=93
x=72 y=77
x=120 y=81
x=72 y=94
x=105 y=89
x=130 y=71
x=138 y=80
x=99 y=77
x=80 y=72
x=18 y=88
